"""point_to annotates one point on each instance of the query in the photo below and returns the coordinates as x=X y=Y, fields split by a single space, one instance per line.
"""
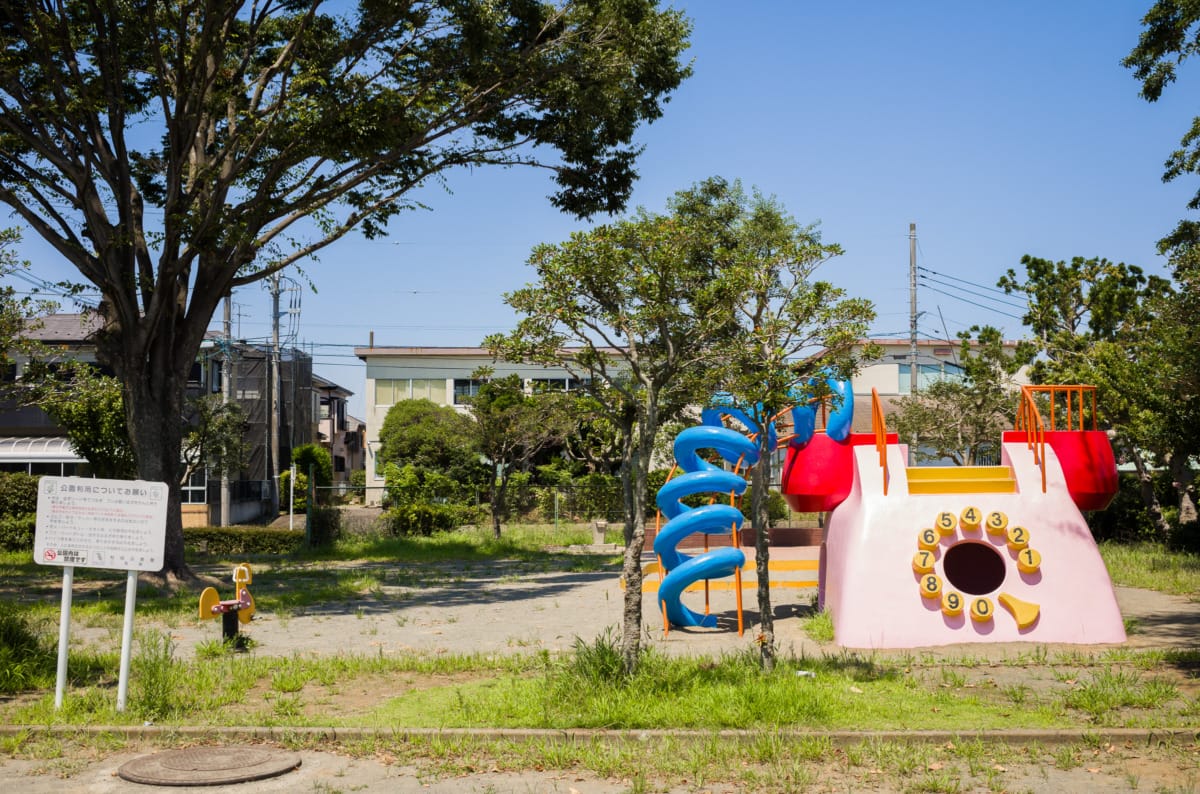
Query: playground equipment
x=678 y=570
x=919 y=556
x=232 y=612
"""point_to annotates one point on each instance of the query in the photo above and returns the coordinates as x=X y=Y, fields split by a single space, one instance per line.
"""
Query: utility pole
x=912 y=327
x=273 y=420
x=226 y=393
x=912 y=308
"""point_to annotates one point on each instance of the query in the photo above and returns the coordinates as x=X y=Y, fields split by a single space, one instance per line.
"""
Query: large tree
x=172 y=151
x=1134 y=337
x=790 y=328
x=633 y=310
x=1171 y=35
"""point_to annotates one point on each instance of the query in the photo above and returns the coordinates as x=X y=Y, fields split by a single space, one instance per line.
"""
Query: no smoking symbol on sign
x=50 y=554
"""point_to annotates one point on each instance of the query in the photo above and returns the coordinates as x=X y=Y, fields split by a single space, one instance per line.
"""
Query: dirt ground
x=520 y=607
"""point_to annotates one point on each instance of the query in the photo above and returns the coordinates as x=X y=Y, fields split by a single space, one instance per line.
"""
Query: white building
x=441 y=375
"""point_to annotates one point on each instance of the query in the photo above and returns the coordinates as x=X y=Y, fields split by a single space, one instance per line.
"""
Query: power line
x=972 y=303
x=1010 y=304
x=972 y=283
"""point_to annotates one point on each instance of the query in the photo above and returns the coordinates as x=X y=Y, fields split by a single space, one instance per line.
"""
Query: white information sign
x=88 y=523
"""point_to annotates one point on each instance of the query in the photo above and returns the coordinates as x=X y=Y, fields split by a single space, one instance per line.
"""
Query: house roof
x=324 y=384
x=65 y=328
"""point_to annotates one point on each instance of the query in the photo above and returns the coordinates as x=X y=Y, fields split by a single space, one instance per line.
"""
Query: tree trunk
x=154 y=411
x=1184 y=480
x=634 y=483
x=499 y=501
x=760 y=518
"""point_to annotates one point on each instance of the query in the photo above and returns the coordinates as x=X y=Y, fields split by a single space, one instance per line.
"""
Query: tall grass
x=1152 y=567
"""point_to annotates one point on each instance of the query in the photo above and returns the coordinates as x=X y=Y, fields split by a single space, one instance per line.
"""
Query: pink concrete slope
x=869 y=584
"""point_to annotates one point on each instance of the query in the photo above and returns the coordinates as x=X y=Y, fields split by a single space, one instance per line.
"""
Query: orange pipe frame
x=879 y=426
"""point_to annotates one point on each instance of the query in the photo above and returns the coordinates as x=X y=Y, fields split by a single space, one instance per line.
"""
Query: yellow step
x=960 y=479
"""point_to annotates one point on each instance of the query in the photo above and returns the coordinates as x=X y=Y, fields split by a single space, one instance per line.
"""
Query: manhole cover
x=208 y=766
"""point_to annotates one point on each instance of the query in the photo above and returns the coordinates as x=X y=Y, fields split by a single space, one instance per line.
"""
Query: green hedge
x=425 y=518
x=18 y=494
x=16 y=534
x=226 y=541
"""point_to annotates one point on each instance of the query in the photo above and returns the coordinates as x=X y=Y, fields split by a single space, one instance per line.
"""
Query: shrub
x=16 y=534
x=598 y=496
x=285 y=491
x=325 y=526
x=777 y=506
x=231 y=541
x=18 y=494
x=319 y=458
x=425 y=518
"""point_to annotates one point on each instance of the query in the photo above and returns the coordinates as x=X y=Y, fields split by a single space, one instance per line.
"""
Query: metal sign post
x=114 y=524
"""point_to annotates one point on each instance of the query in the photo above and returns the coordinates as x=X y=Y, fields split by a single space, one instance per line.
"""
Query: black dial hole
x=974 y=568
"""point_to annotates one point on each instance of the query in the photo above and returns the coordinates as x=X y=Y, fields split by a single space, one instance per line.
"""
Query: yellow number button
x=952 y=604
x=931 y=586
x=997 y=523
x=981 y=610
x=970 y=518
x=1028 y=560
x=928 y=539
x=1018 y=537
x=923 y=561
x=946 y=522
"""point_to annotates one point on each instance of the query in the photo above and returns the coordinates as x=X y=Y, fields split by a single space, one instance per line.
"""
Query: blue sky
x=999 y=129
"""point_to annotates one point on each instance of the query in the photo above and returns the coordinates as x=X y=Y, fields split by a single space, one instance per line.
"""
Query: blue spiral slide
x=700 y=476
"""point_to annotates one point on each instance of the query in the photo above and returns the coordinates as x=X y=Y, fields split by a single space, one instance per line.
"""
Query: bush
x=1126 y=519
x=777 y=507
x=425 y=518
x=232 y=541
x=18 y=494
x=16 y=534
x=319 y=458
x=285 y=491
x=325 y=527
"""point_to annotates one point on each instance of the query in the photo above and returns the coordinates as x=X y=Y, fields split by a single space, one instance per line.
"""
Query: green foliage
x=26 y=661
x=18 y=494
x=412 y=485
x=325 y=526
x=299 y=497
x=961 y=417
x=1170 y=35
x=17 y=313
x=272 y=131
x=430 y=437
x=90 y=408
x=236 y=541
x=319 y=459
x=777 y=506
x=358 y=478
x=16 y=534
x=216 y=436
x=424 y=518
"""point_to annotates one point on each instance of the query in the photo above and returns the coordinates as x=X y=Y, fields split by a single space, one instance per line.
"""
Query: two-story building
x=439 y=374
x=33 y=443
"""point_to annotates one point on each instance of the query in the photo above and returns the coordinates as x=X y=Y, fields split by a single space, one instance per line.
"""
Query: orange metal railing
x=1029 y=420
x=879 y=427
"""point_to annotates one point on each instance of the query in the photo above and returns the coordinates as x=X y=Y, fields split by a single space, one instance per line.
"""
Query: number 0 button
x=981 y=610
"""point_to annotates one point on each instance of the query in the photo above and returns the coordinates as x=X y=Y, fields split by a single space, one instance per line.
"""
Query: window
x=465 y=389
x=928 y=374
x=194 y=490
x=387 y=393
x=432 y=390
x=339 y=463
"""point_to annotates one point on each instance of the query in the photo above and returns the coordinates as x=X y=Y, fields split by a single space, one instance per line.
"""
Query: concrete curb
x=1152 y=736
